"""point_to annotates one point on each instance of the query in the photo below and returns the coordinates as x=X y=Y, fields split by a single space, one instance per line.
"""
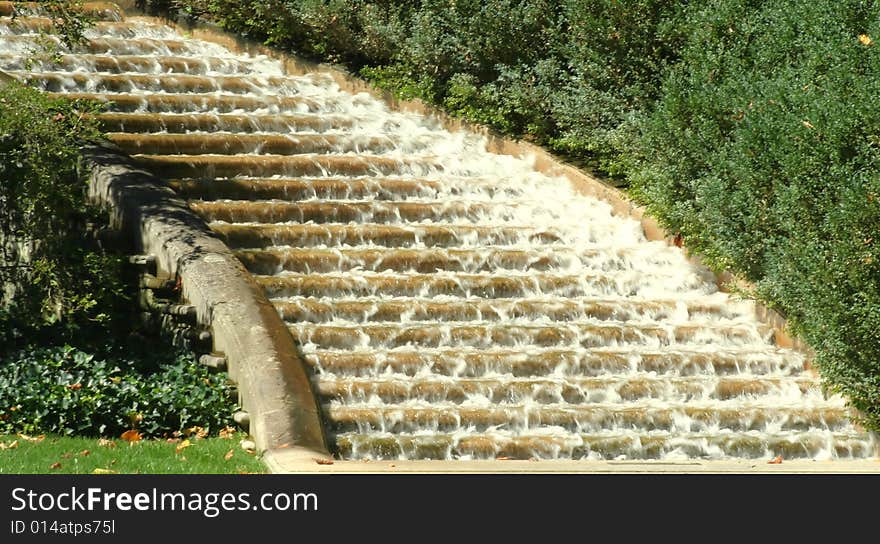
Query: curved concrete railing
x=260 y=352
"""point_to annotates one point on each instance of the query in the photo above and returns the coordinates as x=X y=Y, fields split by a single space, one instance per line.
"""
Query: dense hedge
x=68 y=391
x=764 y=152
x=67 y=279
x=749 y=127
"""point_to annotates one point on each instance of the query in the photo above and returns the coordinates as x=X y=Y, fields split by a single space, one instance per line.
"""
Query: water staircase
x=450 y=303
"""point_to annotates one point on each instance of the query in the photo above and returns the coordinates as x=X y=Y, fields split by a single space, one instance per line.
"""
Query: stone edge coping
x=302 y=462
x=261 y=354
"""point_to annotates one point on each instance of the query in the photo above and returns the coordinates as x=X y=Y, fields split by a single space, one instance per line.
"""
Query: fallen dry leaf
x=200 y=432
x=172 y=440
x=55 y=466
x=104 y=471
x=32 y=438
x=105 y=443
x=131 y=436
x=229 y=455
x=182 y=446
x=775 y=461
x=227 y=432
x=11 y=446
x=324 y=461
x=83 y=453
x=864 y=39
x=75 y=386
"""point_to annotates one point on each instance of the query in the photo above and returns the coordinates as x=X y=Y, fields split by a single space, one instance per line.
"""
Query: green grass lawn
x=21 y=454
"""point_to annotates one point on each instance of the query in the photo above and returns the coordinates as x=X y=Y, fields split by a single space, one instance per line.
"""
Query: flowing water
x=451 y=303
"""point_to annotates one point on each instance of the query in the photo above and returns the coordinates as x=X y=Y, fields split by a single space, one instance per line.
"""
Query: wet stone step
x=274 y=261
x=531 y=362
x=190 y=103
x=588 y=417
x=336 y=188
x=469 y=285
x=197 y=166
x=571 y=390
x=321 y=211
x=291 y=144
x=424 y=235
x=206 y=122
x=365 y=310
x=165 y=83
x=116 y=64
x=598 y=446
x=495 y=334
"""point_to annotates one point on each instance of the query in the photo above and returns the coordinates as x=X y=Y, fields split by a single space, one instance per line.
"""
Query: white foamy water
x=450 y=302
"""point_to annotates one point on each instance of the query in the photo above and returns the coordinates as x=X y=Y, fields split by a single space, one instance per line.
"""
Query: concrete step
x=230 y=144
x=348 y=390
x=196 y=103
x=345 y=211
x=339 y=188
x=481 y=335
x=276 y=260
x=608 y=445
x=118 y=64
x=531 y=362
x=207 y=122
x=366 y=310
x=200 y=166
x=736 y=416
x=157 y=83
x=530 y=284
x=429 y=235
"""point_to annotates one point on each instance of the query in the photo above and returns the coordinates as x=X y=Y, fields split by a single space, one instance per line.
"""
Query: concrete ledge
x=261 y=354
x=302 y=463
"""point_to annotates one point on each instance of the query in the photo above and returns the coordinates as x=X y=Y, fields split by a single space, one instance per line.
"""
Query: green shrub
x=776 y=172
x=48 y=252
x=69 y=391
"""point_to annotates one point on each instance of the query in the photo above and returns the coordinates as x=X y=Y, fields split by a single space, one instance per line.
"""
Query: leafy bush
x=51 y=264
x=68 y=391
x=776 y=172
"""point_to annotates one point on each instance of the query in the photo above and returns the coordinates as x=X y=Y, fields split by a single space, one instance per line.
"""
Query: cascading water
x=452 y=303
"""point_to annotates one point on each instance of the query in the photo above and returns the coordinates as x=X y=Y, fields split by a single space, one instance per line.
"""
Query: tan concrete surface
x=293 y=460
